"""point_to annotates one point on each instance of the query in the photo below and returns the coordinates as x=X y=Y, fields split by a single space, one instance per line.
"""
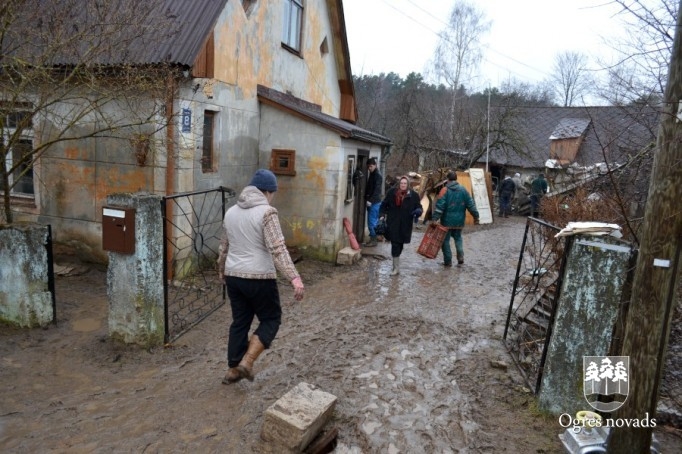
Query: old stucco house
x=249 y=84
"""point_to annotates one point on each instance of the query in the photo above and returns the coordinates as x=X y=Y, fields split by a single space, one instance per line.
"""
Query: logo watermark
x=605 y=381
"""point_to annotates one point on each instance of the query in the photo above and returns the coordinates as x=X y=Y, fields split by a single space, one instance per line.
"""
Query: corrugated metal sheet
x=173 y=31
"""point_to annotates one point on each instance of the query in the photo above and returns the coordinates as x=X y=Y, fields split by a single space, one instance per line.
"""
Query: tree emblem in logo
x=605 y=381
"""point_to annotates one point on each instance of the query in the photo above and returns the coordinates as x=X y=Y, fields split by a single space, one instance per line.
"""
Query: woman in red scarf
x=400 y=206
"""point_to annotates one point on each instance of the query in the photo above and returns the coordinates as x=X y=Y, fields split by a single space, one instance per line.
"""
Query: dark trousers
x=505 y=204
x=396 y=249
x=535 y=205
x=249 y=298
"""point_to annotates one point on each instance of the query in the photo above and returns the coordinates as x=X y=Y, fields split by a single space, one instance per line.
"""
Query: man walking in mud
x=451 y=211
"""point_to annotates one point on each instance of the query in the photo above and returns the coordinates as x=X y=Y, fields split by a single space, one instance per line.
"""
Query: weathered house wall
x=76 y=176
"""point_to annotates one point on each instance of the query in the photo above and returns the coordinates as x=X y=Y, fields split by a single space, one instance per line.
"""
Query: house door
x=359 y=209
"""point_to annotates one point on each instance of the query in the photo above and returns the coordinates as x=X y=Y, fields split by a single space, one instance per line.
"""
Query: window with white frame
x=19 y=157
x=293 y=19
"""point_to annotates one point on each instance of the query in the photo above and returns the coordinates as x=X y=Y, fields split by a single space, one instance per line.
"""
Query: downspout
x=171 y=86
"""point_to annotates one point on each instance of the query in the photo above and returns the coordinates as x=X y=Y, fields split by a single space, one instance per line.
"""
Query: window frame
x=292 y=25
x=350 y=187
x=276 y=157
x=12 y=120
x=208 y=142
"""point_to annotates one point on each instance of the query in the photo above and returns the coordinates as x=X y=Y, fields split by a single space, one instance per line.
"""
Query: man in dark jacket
x=507 y=191
x=373 y=200
x=451 y=213
x=538 y=188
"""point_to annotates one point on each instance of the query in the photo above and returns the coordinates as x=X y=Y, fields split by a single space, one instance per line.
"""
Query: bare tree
x=458 y=52
x=641 y=67
x=571 y=79
x=69 y=70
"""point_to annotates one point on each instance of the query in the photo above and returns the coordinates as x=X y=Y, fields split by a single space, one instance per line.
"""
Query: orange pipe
x=351 y=236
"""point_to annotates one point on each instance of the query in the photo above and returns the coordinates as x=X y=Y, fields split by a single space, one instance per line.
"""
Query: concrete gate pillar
x=135 y=273
x=591 y=298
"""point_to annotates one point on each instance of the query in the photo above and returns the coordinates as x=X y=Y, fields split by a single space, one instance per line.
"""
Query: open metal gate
x=534 y=298
x=192 y=232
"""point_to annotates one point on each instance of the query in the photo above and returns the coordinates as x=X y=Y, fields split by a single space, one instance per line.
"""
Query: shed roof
x=611 y=133
x=570 y=128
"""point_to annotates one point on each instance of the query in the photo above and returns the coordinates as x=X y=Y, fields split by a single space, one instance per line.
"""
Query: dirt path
x=417 y=364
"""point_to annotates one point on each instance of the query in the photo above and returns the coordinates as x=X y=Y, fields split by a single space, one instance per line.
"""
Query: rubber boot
x=245 y=366
x=232 y=376
x=396 y=266
x=372 y=242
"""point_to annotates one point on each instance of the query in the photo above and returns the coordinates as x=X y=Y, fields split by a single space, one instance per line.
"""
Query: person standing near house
x=506 y=192
x=519 y=190
x=538 y=189
x=451 y=211
x=372 y=200
x=400 y=206
x=251 y=252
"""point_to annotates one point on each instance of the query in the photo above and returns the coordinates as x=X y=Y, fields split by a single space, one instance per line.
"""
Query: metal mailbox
x=118 y=229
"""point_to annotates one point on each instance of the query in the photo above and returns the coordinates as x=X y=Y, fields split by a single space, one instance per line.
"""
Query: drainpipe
x=171 y=86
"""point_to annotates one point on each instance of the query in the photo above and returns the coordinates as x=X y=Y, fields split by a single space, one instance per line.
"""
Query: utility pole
x=487 y=137
x=653 y=290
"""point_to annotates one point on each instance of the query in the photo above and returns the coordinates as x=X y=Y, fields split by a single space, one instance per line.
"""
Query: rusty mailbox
x=118 y=229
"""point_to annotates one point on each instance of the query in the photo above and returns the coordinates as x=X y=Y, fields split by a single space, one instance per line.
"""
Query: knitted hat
x=264 y=180
x=452 y=176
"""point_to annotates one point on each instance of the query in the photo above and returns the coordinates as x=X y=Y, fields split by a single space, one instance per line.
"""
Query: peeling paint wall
x=588 y=306
x=249 y=52
x=25 y=299
x=76 y=177
x=311 y=204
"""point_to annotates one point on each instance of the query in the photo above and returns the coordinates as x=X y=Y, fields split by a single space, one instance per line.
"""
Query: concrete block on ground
x=348 y=256
x=291 y=423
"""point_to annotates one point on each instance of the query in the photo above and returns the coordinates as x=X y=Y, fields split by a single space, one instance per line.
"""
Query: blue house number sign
x=186 y=120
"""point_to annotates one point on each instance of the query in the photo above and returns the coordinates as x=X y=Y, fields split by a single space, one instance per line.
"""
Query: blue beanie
x=264 y=180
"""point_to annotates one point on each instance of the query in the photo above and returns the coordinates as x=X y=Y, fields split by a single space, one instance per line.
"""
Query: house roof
x=113 y=32
x=313 y=112
x=611 y=133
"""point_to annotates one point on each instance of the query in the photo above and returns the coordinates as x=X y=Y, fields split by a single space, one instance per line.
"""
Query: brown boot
x=245 y=367
x=232 y=376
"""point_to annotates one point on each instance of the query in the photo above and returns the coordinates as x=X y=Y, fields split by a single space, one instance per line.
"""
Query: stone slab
x=295 y=419
x=348 y=256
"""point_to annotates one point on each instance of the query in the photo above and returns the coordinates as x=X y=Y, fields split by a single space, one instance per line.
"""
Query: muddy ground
x=417 y=363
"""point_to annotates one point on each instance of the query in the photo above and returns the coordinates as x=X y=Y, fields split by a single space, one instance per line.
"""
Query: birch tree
x=570 y=77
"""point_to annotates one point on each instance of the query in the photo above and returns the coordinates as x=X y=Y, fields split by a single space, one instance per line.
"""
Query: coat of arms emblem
x=605 y=381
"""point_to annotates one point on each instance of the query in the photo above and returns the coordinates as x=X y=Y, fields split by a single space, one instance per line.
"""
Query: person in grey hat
x=251 y=252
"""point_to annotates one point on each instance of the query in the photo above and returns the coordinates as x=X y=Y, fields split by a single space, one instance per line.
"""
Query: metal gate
x=534 y=298
x=192 y=231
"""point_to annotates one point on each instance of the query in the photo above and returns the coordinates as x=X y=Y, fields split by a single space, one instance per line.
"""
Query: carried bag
x=381 y=227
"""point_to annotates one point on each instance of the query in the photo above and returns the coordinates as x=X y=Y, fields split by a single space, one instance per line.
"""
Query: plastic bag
x=381 y=228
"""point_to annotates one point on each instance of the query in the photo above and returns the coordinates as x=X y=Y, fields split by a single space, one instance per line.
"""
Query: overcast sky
x=401 y=35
